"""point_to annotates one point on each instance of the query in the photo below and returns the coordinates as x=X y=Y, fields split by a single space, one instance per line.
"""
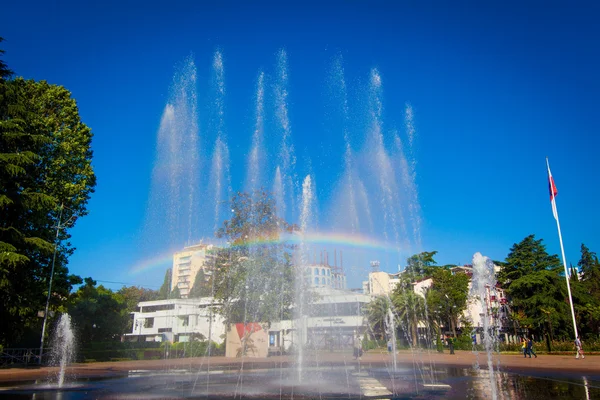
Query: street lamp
x=59 y=226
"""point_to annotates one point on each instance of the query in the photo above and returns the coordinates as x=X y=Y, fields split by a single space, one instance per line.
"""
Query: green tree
x=421 y=264
x=410 y=308
x=532 y=278
x=131 y=296
x=45 y=178
x=376 y=313
x=165 y=290
x=202 y=285
x=254 y=276
x=590 y=270
x=448 y=296
x=98 y=314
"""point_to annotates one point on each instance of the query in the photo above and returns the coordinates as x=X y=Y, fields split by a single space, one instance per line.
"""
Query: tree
x=590 y=270
x=202 y=285
x=376 y=313
x=532 y=278
x=410 y=308
x=98 y=314
x=45 y=178
x=421 y=264
x=448 y=296
x=131 y=296
x=165 y=290
x=254 y=276
x=587 y=292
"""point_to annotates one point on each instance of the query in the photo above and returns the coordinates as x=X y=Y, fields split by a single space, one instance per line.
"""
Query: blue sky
x=495 y=89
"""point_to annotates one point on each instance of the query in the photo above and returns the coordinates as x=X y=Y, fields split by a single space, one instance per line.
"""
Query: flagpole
x=562 y=249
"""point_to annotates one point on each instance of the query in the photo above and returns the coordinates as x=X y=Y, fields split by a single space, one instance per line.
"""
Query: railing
x=23 y=356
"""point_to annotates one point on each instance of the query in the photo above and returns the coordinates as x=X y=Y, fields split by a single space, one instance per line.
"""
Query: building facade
x=176 y=320
x=187 y=264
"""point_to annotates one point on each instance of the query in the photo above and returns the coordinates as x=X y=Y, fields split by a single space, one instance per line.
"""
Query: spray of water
x=175 y=177
x=255 y=160
x=220 y=179
x=287 y=158
x=63 y=347
x=484 y=287
x=304 y=259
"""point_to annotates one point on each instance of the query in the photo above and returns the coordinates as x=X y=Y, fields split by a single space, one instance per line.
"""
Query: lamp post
x=58 y=228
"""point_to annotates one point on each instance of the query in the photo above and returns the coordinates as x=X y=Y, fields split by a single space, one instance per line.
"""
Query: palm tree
x=410 y=309
x=376 y=312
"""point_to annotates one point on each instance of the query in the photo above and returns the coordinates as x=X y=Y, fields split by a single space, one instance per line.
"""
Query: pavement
x=464 y=359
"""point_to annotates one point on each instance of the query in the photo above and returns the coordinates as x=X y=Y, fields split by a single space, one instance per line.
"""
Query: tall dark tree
x=165 y=290
x=46 y=178
x=588 y=293
x=532 y=278
x=202 y=285
x=590 y=270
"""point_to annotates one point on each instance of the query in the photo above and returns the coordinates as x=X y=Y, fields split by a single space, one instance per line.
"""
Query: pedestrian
x=524 y=347
x=389 y=345
x=357 y=348
x=530 y=348
x=450 y=342
x=579 y=348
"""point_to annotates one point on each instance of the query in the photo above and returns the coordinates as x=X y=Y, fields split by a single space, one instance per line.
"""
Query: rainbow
x=355 y=241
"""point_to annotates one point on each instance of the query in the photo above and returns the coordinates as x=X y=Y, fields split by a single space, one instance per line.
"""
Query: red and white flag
x=553 y=191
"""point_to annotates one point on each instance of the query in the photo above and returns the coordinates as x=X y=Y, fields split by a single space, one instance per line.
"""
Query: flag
x=553 y=191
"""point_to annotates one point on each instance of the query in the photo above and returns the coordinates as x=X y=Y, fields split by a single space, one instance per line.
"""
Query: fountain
x=483 y=286
x=63 y=347
x=370 y=211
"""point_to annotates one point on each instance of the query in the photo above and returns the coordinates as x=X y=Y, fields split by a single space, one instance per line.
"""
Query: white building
x=186 y=265
x=383 y=283
x=323 y=275
x=332 y=321
x=176 y=320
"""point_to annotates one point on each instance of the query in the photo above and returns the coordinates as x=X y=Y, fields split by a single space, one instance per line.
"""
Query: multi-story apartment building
x=186 y=265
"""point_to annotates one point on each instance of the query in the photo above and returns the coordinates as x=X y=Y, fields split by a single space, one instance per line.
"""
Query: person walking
x=530 y=348
x=450 y=344
x=524 y=347
x=358 y=348
x=579 y=349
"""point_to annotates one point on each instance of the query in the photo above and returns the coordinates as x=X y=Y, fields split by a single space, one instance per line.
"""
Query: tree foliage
x=45 y=178
x=254 y=276
x=448 y=295
x=98 y=314
x=410 y=309
x=165 y=290
x=422 y=264
x=376 y=313
x=532 y=279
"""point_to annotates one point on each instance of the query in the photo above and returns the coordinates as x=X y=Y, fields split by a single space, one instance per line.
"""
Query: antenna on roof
x=375 y=266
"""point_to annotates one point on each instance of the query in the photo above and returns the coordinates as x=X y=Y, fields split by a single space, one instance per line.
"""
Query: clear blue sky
x=495 y=89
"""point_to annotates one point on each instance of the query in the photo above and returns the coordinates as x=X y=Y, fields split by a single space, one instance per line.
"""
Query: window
x=161 y=307
x=316 y=271
x=322 y=281
x=322 y=271
x=185 y=320
x=149 y=323
x=162 y=330
x=316 y=280
x=328 y=272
